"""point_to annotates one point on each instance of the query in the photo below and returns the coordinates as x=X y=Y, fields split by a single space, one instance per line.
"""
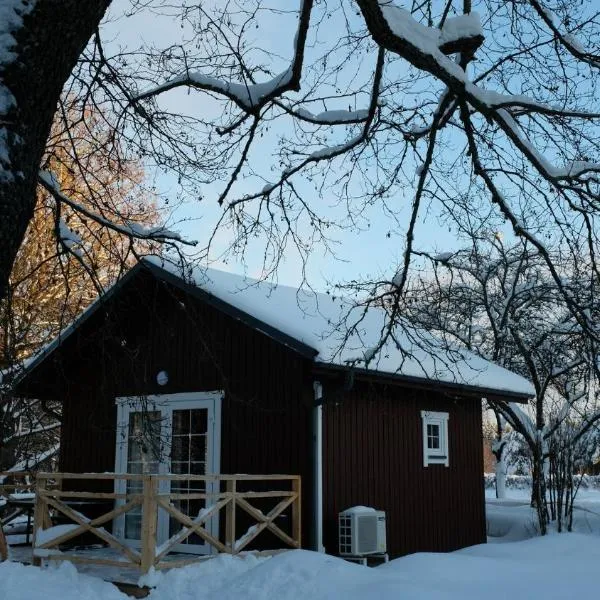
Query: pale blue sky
x=368 y=251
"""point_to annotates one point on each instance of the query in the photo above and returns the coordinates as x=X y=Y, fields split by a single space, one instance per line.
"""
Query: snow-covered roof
x=324 y=323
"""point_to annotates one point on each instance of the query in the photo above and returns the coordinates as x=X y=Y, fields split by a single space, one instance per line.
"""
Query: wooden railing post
x=149 y=522
x=3 y=545
x=297 y=511
x=230 y=516
x=3 y=542
x=40 y=517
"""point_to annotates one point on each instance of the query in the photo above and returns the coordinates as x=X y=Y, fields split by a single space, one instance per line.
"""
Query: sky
x=373 y=248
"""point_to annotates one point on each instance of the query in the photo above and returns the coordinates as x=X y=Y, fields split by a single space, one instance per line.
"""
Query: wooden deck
x=93 y=561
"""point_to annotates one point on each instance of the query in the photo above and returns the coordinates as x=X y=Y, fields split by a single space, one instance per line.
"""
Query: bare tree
x=461 y=107
x=62 y=265
x=502 y=303
x=500 y=101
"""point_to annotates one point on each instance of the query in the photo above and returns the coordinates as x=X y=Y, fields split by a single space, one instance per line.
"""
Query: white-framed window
x=435 y=438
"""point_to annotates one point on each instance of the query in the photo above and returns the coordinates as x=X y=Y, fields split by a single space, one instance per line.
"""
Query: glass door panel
x=189 y=433
x=143 y=456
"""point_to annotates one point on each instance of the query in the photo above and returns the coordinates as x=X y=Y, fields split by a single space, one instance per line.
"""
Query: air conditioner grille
x=345 y=534
x=367 y=533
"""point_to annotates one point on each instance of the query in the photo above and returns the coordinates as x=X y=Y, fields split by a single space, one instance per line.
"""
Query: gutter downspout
x=317 y=435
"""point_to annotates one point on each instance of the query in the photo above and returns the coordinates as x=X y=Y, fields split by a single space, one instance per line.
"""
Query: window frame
x=441 y=455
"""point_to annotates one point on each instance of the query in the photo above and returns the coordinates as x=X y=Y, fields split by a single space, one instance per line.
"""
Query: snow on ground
x=557 y=566
x=513 y=519
x=20 y=582
x=523 y=566
x=584 y=495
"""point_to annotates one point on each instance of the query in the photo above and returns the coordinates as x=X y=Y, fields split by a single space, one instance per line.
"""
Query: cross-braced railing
x=227 y=508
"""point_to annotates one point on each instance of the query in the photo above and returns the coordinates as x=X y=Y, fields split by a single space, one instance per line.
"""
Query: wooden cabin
x=246 y=377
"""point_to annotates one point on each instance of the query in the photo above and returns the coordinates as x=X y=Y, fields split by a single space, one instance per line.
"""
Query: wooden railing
x=16 y=481
x=226 y=500
x=15 y=486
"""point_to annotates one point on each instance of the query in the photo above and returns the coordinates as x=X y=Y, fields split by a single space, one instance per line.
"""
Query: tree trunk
x=49 y=41
x=498 y=452
x=500 y=478
x=538 y=488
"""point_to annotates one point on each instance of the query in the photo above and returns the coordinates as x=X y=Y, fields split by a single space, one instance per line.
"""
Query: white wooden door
x=193 y=450
x=178 y=434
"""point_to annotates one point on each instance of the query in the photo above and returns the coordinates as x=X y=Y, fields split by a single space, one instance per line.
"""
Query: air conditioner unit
x=362 y=531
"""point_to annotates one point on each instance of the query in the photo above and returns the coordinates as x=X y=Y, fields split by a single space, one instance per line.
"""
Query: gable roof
x=334 y=332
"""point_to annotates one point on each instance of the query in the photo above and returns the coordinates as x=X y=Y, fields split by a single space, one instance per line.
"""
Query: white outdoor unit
x=362 y=531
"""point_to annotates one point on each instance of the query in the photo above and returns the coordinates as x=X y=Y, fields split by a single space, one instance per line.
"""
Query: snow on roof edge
x=473 y=367
x=272 y=301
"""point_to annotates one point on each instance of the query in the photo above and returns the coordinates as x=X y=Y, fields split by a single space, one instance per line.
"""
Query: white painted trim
x=442 y=456
x=217 y=426
x=179 y=397
x=318 y=465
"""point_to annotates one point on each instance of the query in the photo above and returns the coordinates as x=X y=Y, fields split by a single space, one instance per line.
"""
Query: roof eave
x=279 y=336
x=178 y=282
x=426 y=383
x=64 y=335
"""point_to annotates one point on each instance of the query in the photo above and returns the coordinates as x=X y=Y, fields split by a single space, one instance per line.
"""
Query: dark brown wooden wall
x=151 y=326
x=373 y=456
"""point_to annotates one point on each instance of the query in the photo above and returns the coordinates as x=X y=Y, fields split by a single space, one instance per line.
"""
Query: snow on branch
x=29 y=432
x=521 y=421
x=11 y=19
x=455 y=35
x=249 y=95
x=568 y=40
x=396 y=30
x=570 y=170
x=428 y=42
x=496 y=100
x=460 y=28
x=246 y=95
x=69 y=238
x=329 y=152
x=130 y=229
x=322 y=154
x=331 y=117
x=31 y=462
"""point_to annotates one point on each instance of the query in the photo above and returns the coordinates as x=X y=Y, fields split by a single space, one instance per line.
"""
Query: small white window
x=435 y=438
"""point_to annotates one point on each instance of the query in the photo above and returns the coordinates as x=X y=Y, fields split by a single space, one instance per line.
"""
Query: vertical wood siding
x=373 y=456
